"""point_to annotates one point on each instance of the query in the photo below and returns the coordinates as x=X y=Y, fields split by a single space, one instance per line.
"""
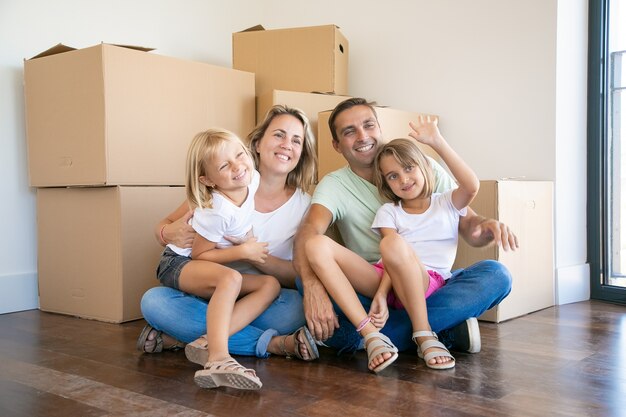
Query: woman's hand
x=179 y=232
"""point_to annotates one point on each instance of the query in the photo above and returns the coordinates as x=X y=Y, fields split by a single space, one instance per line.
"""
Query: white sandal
x=381 y=344
x=227 y=373
x=427 y=344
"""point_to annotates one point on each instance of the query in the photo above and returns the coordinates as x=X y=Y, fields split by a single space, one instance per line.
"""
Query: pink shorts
x=436 y=281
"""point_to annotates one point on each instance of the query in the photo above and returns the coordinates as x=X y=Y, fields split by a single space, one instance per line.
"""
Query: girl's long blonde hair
x=204 y=146
x=407 y=153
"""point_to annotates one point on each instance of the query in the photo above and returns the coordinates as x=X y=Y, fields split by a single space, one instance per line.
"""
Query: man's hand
x=318 y=311
x=491 y=230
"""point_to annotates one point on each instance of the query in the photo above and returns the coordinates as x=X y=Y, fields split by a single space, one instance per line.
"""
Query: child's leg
x=410 y=280
x=256 y=294
x=221 y=285
x=342 y=271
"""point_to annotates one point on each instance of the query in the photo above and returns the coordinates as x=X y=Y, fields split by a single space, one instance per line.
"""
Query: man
x=349 y=199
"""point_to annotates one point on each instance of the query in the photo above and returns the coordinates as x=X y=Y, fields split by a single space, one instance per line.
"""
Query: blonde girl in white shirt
x=221 y=183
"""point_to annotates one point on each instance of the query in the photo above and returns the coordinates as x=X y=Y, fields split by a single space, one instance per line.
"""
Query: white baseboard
x=19 y=292
x=572 y=284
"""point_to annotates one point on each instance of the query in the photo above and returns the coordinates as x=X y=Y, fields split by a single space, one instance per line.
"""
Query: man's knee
x=500 y=275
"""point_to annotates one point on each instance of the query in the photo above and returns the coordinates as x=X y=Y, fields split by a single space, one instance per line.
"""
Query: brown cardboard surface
x=114 y=115
x=96 y=249
x=394 y=124
x=305 y=59
x=527 y=208
x=310 y=103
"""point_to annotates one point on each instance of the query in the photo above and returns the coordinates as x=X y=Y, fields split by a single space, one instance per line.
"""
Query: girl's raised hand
x=425 y=130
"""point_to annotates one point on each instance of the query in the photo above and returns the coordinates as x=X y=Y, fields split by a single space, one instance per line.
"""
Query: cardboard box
x=393 y=123
x=97 y=251
x=310 y=103
x=307 y=59
x=527 y=208
x=113 y=115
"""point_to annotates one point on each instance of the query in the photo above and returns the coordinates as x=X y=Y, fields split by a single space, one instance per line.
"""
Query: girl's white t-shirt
x=433 y=235
x=223 y=219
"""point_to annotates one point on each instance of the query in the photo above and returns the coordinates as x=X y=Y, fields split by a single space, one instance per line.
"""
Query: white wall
x=572 y=271
x=487 y=67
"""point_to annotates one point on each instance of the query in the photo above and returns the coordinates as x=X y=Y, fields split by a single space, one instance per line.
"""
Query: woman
x=283 y=148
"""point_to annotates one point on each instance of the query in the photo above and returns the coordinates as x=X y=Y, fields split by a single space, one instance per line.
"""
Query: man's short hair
x=345 y=105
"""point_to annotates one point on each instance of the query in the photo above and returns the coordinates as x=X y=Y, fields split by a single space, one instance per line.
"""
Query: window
x=606 y=155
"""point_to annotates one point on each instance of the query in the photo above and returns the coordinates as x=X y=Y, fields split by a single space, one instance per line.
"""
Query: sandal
x=227 y=373
x=380 y=345
x=158 y=338
x=309 y=343
x=443 y=352
x=197 y=351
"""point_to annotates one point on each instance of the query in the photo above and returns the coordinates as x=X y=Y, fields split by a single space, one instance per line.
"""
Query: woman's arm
x=175 y=228
x=282 y=269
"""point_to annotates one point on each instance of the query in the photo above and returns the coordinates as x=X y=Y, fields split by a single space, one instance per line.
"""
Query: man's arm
x=318 y=309
x=479 y=231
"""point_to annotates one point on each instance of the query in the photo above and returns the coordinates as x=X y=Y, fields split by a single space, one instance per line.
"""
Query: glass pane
x=617 y=152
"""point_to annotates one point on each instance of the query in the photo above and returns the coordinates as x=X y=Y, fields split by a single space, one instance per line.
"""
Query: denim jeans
x=468 y=293
x=183 y=316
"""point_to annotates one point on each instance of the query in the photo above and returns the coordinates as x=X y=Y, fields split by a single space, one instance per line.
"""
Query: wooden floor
x=563 y=361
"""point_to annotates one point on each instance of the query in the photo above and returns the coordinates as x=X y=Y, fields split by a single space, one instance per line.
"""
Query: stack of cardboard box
x=108 y=129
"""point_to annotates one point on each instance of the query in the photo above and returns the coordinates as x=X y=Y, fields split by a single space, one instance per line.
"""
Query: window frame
x=597 y=158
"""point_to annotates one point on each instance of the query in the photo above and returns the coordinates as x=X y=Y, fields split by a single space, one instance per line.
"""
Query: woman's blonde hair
x=303 y=175
x=407 y=153
x=204 y=146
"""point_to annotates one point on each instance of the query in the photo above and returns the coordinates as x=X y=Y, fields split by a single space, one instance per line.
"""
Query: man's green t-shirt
x=353 y=203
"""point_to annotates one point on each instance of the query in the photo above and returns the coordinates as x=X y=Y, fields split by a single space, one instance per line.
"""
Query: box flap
x=59 y=48
x=254 y=28
x=137 y=48
x=258 y=28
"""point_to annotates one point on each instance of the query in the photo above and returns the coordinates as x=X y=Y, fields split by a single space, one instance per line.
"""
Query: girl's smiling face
x=407 y=182
x=229 y=169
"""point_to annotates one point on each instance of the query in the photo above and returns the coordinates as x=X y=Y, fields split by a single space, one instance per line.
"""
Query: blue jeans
x=468 y=293
x=183 y=316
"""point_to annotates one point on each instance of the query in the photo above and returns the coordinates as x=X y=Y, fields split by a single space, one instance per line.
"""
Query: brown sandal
x=158 y=338
x=309 y=342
